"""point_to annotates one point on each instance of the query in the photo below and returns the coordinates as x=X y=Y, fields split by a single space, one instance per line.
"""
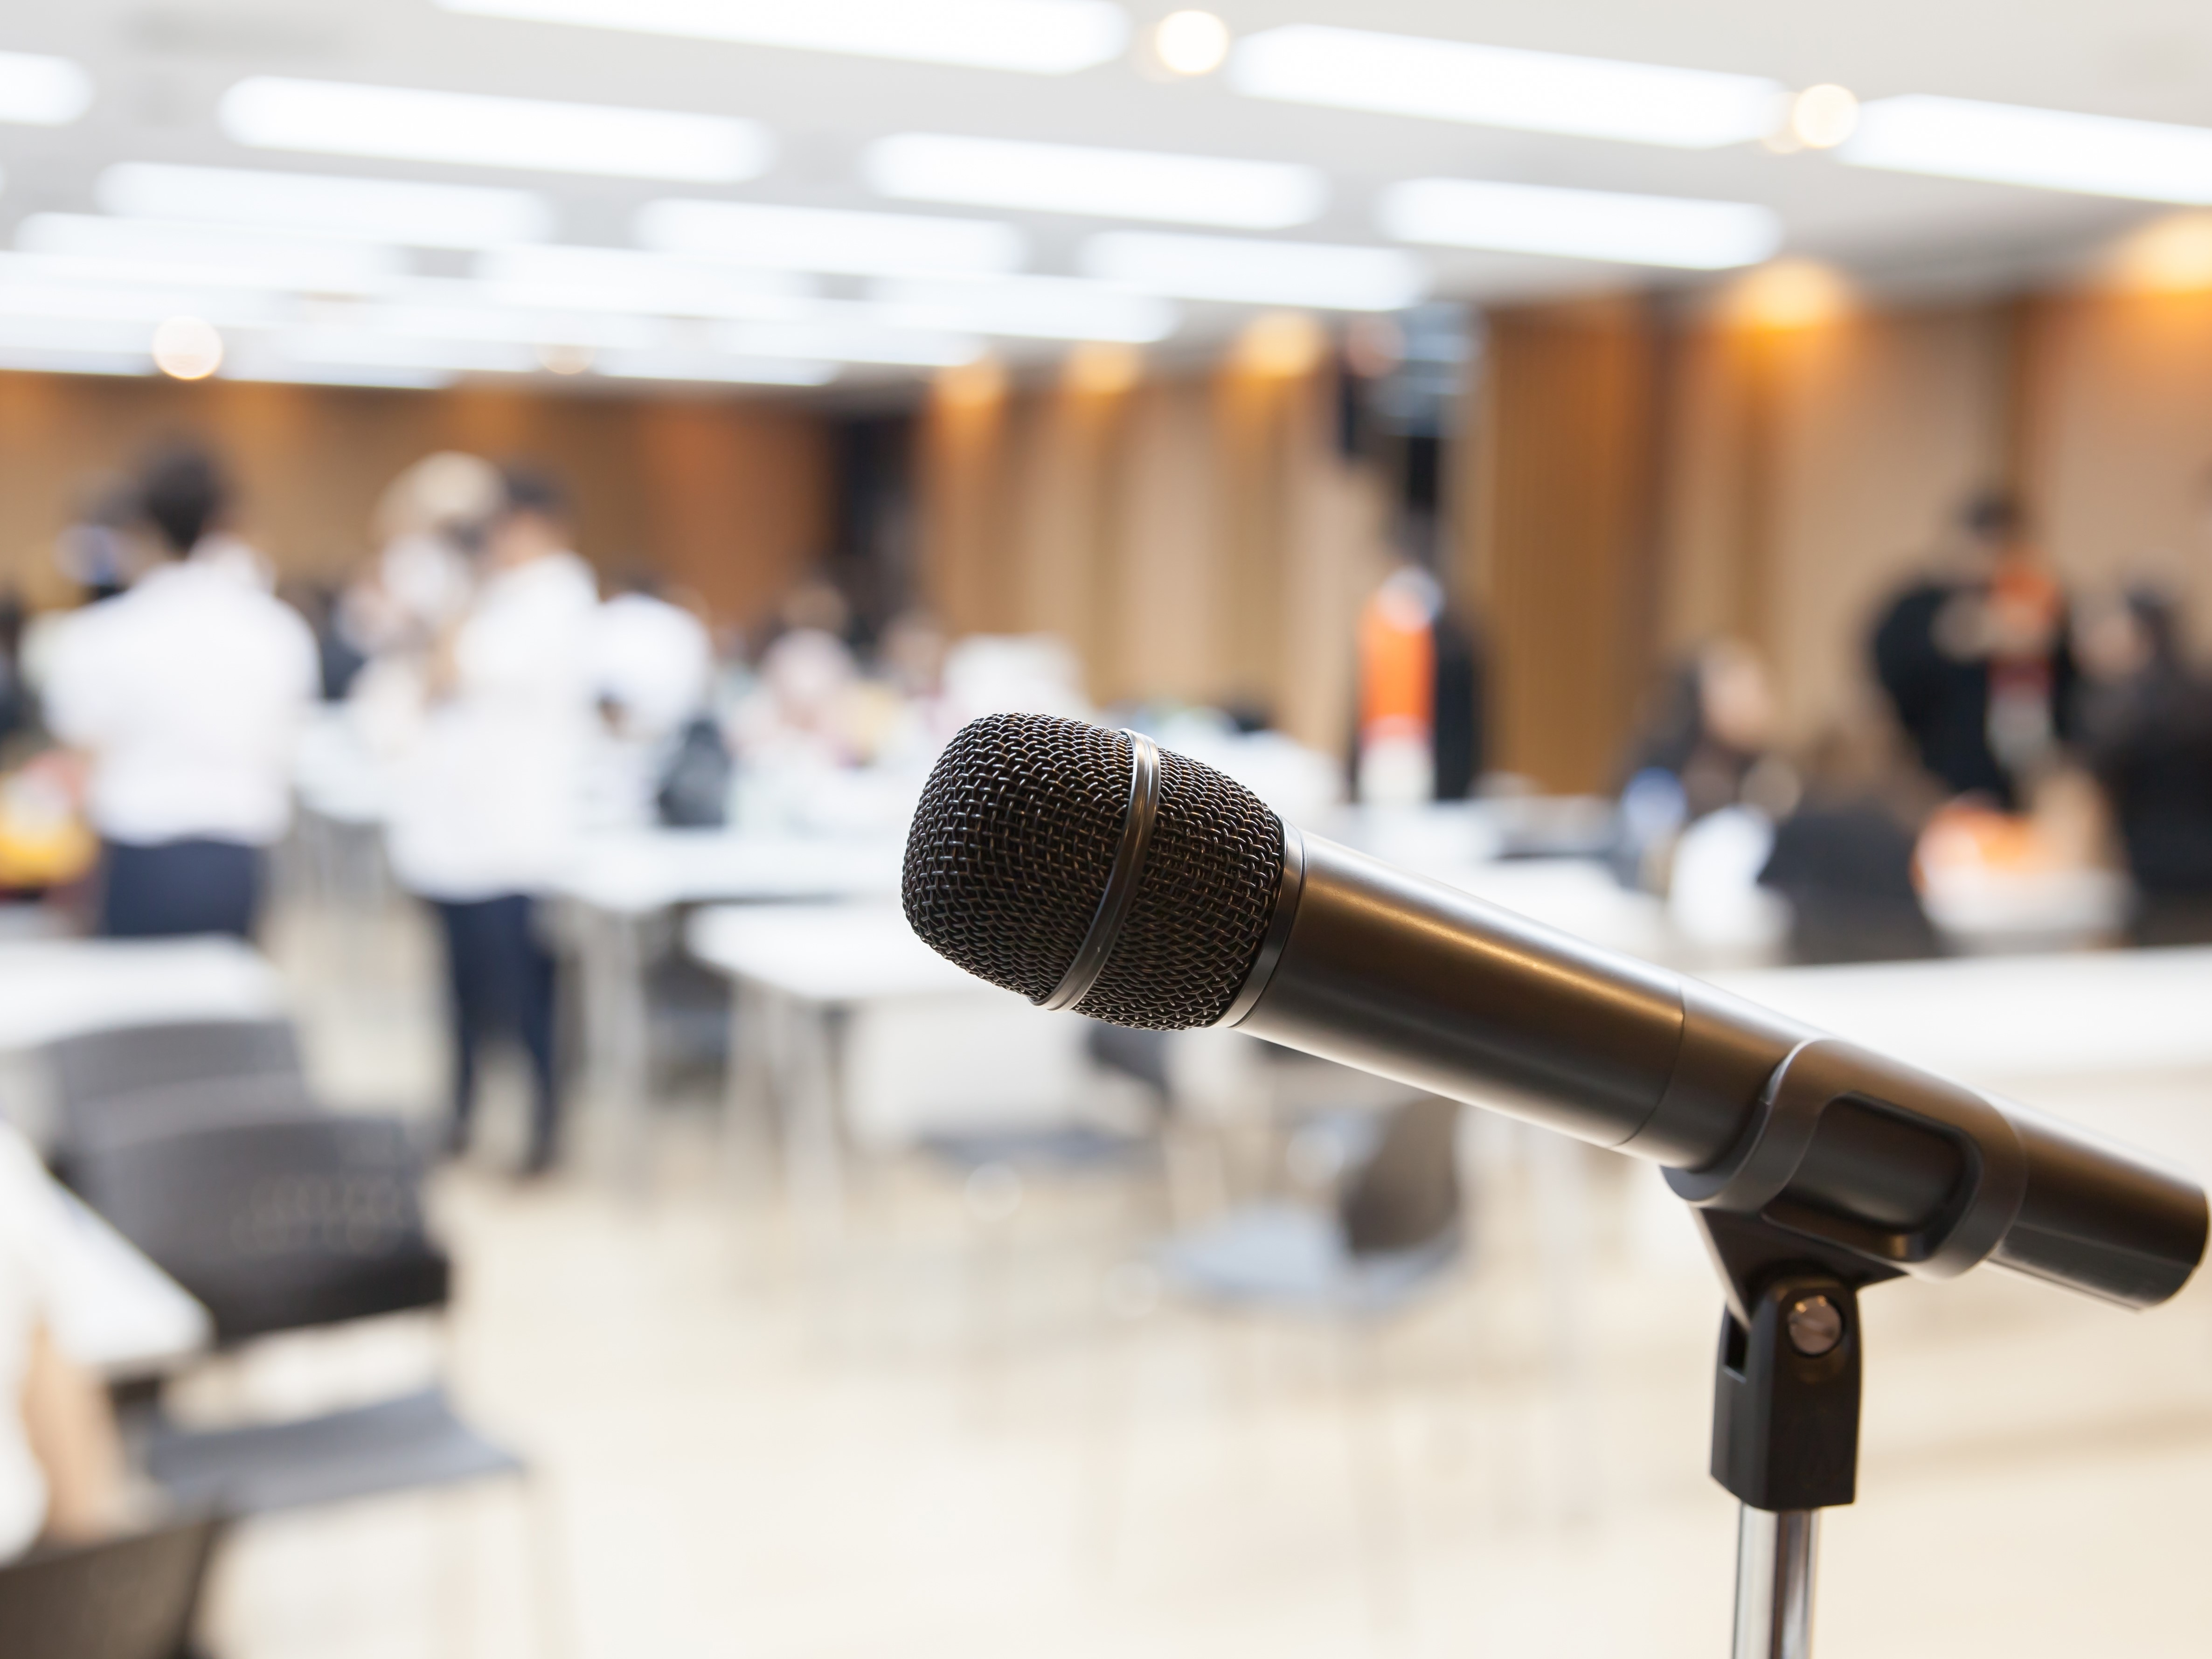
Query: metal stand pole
x=1785 y=1423
x=1774 y=1561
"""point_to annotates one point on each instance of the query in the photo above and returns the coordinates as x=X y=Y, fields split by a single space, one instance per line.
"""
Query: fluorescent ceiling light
x=371 y=209
x=822 y=239
x=1039 y=307
x=496 y=322
x=145 y=302
x=167 y=250
x=46 y=360
x=368 y=347
x=131 y=337
x=1319 y=274
x=1580 y=224
x=624 y=279
x=1504 y=86
x=702 y=366
x=1033 y=37
x=42 y=92
x=342 y=119
x=2054 y=149
x=1120 y=184
x=851 y=339
x=265 y=368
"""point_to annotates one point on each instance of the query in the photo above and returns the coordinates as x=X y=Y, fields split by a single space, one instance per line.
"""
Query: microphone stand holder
x=1785 y=1413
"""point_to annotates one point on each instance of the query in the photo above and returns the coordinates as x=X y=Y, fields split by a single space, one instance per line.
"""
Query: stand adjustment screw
x=1815 y=1325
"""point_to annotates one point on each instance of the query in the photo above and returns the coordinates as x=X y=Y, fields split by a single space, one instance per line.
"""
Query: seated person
x=60 y=1463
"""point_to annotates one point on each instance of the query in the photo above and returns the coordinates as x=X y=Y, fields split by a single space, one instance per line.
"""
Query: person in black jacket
x=2149 y=742
x=1976 y=662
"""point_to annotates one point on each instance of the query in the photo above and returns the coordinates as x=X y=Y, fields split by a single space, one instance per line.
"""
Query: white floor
x=953 y=1439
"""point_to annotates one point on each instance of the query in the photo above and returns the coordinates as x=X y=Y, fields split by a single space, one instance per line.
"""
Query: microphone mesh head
x=1014 y=840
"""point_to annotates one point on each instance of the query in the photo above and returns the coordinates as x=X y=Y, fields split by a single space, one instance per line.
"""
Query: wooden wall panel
x=1193 y=538
x=1562 y=531
x=727 y=496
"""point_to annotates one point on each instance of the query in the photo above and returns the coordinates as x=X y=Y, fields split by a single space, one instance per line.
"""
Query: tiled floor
x=943 y=1441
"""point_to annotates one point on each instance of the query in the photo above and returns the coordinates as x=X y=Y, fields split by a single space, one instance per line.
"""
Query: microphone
x=1089 y=869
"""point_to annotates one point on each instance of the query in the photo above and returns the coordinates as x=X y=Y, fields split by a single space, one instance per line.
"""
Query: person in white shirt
x=188 y=693
x=487 y=803
x=652 y=668
x=60 y=1461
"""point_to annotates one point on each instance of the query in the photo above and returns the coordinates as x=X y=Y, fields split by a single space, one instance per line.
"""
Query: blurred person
x=1714 y=724
x=652 y=660
x=1976 y=661
x=187 y=694
x=1842 y=853
x=1419 y=736
x=427 y=522
x=95 y=551
x=490 y=798
x=660 y=751
x=61 y=1464
x=2147 y=723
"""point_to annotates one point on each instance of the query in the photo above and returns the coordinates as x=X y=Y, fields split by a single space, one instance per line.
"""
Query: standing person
x=187 y=692
x=488 y=800
x=1976 y=661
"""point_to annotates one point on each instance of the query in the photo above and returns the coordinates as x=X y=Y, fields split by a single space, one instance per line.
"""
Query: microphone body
x=1088 y=870
x=1751 y=1112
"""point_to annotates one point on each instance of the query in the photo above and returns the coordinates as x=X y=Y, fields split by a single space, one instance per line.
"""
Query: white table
x=794 y=969
x=620 y=884
x=2010 y=1017
x=61 y=987
x=115 y=1311
x=2118 y=1041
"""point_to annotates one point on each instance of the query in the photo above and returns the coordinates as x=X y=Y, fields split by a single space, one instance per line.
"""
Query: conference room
x=979 y=826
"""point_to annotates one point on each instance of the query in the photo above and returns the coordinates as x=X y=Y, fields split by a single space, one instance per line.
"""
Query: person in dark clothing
x=2150 y=743
x=1713 y=722
x=1977 y=663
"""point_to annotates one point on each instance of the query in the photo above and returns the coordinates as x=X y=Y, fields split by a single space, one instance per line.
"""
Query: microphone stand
x=1785 y=1414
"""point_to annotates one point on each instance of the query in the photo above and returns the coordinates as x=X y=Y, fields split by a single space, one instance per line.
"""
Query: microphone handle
x=1751 y=1113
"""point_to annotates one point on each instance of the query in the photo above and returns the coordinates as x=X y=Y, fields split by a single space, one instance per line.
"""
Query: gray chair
x=135 y=1078
x=281 y=1225
x=1394 y=1234
x=132 y=1597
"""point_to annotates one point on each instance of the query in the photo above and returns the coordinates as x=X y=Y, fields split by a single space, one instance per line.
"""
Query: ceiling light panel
x=1032 y=37
x=2049 y=148
x=624 y=279
x=1035 y=307
x=713 y=369
x=854 y=338
x=153 y=250
x=42 y=92
x=1120 y=184
x=1504 y=86
x=1326 y=276
x=497 y=322
x=410 y=124
x=820 y=238
x=1580 y=224
x=352 y=346
x=25 y=294
x=370 y=209
x=264 y=366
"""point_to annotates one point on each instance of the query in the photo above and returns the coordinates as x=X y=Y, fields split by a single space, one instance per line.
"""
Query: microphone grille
x=1014 y=840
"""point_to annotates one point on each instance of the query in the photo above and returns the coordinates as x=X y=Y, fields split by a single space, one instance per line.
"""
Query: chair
x=1393 y=1238
x=136 y=1079
x=128 y=1059
x=282 y=1226
x=276 y=1225
x=1393 y=1233
x=122 y=1598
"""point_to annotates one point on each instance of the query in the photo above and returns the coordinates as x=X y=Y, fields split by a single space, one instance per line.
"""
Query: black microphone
x=1089 y=869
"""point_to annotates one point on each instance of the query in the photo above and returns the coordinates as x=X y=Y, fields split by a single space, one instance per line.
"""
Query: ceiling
x=159 y=70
